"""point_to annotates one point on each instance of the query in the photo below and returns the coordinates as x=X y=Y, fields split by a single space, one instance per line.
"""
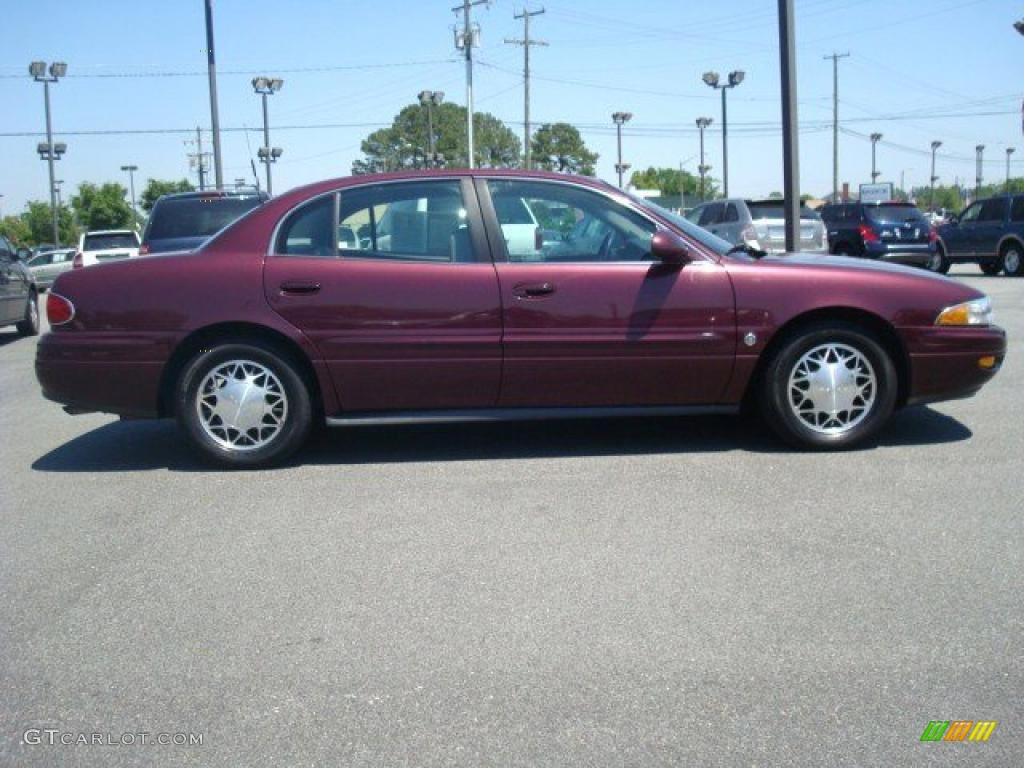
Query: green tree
x=155 y=188
x=669 y=180
x=38 y=219
x=945 y=197
x=404 y=144
x=16 y=230
x=102 y=207
x=559 y=147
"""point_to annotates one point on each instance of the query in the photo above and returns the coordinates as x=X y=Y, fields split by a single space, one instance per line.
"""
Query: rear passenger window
x=993 y=209
x=731 y=214
x=417 y=221
x=1017 y=212
x=307 y=231
x=711 y=215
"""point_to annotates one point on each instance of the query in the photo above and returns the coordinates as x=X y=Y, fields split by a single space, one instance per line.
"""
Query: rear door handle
x=533 y=290
x=299 y=287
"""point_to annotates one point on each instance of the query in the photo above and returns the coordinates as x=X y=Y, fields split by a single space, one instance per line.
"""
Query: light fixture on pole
x=431 y=99
x=620 y=119
x=131 y=183
x=265 y=86
x=712 y=80
x=702 y=169
x=1009 y=151
x=875 y=138
x=50 y=151
x=934 y=178
x=1019 y=26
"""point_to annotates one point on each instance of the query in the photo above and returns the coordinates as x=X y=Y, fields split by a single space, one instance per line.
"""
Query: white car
x=106 y=245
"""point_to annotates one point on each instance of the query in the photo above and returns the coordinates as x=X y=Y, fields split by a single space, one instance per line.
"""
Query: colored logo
x=958 y=730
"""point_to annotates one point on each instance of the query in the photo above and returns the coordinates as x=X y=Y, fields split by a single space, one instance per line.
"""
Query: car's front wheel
x=243 y=405
x=29 y=325
x=1012 y=260
x=828 y=386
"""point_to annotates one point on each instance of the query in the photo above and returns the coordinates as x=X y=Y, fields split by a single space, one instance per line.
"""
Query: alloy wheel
x=241 y=405
x=832 y=388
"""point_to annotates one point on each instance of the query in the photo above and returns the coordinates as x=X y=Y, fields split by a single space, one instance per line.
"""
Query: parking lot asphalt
x=679 y=591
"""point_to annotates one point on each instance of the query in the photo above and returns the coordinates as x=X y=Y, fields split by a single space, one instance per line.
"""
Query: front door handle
x=299 y=287
x=533 y=290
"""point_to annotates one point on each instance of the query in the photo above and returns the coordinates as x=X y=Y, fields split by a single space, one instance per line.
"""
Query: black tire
x=1011 y=259
x=293 y=429
x=991 y=268
x=938 y=262
x=29 y=326
x=774 y=386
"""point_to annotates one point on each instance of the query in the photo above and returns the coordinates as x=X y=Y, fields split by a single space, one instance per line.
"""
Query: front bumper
x=944 y=361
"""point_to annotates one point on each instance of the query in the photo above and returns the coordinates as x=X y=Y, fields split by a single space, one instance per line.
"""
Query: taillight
x=143 y=249
x=76 y=263
x=58 y=309
x=933 y=235
x=868 y=235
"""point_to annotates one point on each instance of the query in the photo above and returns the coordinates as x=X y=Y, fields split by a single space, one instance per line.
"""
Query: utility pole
x=620 y=118
x=526 y=42
x=211 y=65
x=131 y=181
x=835 y=121
x=1009 y=151
x=466 y=41
x=875 y=138
x=790 y=130
x=934 y=178
x=702 y=123
x=979 y=151
x=198 y=159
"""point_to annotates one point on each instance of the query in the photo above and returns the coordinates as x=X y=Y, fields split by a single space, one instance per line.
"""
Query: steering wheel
x=605 y=251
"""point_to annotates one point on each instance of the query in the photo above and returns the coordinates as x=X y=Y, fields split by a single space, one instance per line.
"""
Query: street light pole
x=979 y=152
x=934 y=178
x=1009 y=151
x=711 y=79
x=57 y=183
x=702 y=123
x=875 y=138
x=131 y=181
x=620 y=118
x=56 y=70
x=430 y=99
x=211 y=64
x=266 y=86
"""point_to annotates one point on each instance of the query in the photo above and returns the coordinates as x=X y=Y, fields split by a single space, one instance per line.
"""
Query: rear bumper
x=944 y=362
x=916 y=255
x=99 y=372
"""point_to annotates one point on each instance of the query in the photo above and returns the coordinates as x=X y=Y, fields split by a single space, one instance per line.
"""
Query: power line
x=250 y=72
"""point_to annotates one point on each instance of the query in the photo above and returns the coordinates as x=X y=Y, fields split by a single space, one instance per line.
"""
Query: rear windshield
x=771 y=209
x=106 y=242
x=893 y=213
x=196 y=216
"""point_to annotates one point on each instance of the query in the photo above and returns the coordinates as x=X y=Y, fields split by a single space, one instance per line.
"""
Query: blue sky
x=919 y=70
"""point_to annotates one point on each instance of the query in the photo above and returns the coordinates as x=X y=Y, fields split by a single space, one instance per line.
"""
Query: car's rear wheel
x=29 y=326
x=1012 y=260
x=991 y=268
x=938 y=262
x=243 y=405
x=829 y=386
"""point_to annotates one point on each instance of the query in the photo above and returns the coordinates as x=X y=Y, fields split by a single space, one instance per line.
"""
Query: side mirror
x=669 y=248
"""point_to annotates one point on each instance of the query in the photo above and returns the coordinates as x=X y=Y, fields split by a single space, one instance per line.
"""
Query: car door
x=10 y=292
x=958 y=236
x=597 y=322
x=990 y=227
x=406 y=314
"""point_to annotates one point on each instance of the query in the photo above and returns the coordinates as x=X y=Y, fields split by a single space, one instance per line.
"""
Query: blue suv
x=186 y=220
x=989 y=233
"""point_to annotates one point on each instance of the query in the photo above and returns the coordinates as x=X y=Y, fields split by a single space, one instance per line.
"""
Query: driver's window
x=971 y=214
x=548 y=222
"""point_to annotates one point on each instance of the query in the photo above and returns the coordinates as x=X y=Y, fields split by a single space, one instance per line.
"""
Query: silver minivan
x=758 y=223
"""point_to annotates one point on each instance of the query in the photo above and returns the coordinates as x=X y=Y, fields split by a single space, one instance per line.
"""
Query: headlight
x=977 y=312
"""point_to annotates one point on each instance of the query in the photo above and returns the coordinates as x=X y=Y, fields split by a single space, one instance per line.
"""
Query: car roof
x=110 y=232
x=208 y=193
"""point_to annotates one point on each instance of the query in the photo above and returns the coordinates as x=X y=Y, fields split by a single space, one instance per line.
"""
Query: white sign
x=876 y=193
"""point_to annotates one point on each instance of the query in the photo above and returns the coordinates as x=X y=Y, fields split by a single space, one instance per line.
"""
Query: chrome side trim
x=490 y=415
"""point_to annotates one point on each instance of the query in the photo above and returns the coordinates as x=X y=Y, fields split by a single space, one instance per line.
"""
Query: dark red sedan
x=498 y=295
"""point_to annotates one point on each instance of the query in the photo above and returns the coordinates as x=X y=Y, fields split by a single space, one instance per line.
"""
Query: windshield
x=701 y=235
x=772 y=209
x=113 y=240
x=893 y=213
x=196 y=216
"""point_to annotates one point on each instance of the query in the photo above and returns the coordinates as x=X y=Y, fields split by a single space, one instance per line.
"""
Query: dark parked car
x=184 y=221
x=989 y=233
x=891 y=231
x=279 y=321
x=19 y=302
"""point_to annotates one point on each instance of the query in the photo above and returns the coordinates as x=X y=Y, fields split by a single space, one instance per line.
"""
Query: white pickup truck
x=106 y=245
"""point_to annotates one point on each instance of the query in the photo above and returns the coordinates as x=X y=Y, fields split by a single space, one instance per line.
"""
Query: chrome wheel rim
x=832 y=388
x=242 y=405
x=1011 y=262
x=33 y=313
x=935 y=262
